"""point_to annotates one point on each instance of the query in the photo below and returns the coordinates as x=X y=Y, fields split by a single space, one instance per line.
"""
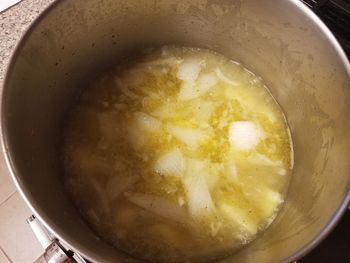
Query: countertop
x=13 y=23
x=17 y=241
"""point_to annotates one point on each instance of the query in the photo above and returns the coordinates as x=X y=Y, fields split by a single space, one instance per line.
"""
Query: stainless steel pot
x=282 y=41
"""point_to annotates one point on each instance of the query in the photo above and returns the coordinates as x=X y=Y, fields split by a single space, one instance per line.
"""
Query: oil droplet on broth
x=180 y=155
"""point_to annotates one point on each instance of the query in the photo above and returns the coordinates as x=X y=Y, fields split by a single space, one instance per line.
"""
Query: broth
x=179 y=155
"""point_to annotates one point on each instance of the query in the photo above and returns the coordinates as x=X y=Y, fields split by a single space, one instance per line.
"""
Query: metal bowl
x=282 y=41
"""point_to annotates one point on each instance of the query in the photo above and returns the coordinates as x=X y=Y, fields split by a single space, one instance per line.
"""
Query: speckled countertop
x=13 y=23
x=17 y=241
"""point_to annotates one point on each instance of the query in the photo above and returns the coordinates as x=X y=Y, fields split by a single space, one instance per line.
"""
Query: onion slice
x=158 y=205
x=101 y=194
x=244 y=135
x=116 y=185
x=225 y=79
x=200 y=203
x=189 y=136
x=172 y=163
x=189 y=70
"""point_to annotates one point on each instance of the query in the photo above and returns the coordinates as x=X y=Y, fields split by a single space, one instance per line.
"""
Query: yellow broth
x=180 y=155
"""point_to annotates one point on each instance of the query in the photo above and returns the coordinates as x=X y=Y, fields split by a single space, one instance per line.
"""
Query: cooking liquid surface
x=180 y=155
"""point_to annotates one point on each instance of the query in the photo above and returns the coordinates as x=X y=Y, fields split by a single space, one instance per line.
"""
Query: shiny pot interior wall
x=279 y=40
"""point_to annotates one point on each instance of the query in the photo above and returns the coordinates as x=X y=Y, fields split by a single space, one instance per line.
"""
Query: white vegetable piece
x=181 y=200
x=282 y=171
x=215 y=226
x=172 y=163
x=191 y=90
x=116 y=185
x=158 y=205
x=206 y=81
x=261 y=159
x=231 y=171
x=244 y=135
x=225 y=79
x=189 y=70
x=212 y=173
x=189 y=136
x=138 y=125
x=146 y=122
x=265 y=198
x=188 y=91
x=124 y=88
x=170 y=61
x=202 y=111
x=200 y=203
x=101 y=194
x=84 y=161
x=168 y=110
x=270 y=200
x=240 y=217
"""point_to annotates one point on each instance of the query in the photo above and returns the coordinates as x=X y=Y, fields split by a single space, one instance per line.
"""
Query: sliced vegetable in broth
x=180 y=155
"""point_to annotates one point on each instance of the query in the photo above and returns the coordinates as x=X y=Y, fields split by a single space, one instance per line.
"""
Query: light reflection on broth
x=180 y=155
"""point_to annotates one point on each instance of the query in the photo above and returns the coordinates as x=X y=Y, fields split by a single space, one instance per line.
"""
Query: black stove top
x=336 y=15
x=336 y=247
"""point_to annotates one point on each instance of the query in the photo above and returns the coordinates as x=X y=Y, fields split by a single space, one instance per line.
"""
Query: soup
x=178 y=155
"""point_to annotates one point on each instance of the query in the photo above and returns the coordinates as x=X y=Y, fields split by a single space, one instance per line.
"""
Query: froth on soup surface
x=180 y=155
